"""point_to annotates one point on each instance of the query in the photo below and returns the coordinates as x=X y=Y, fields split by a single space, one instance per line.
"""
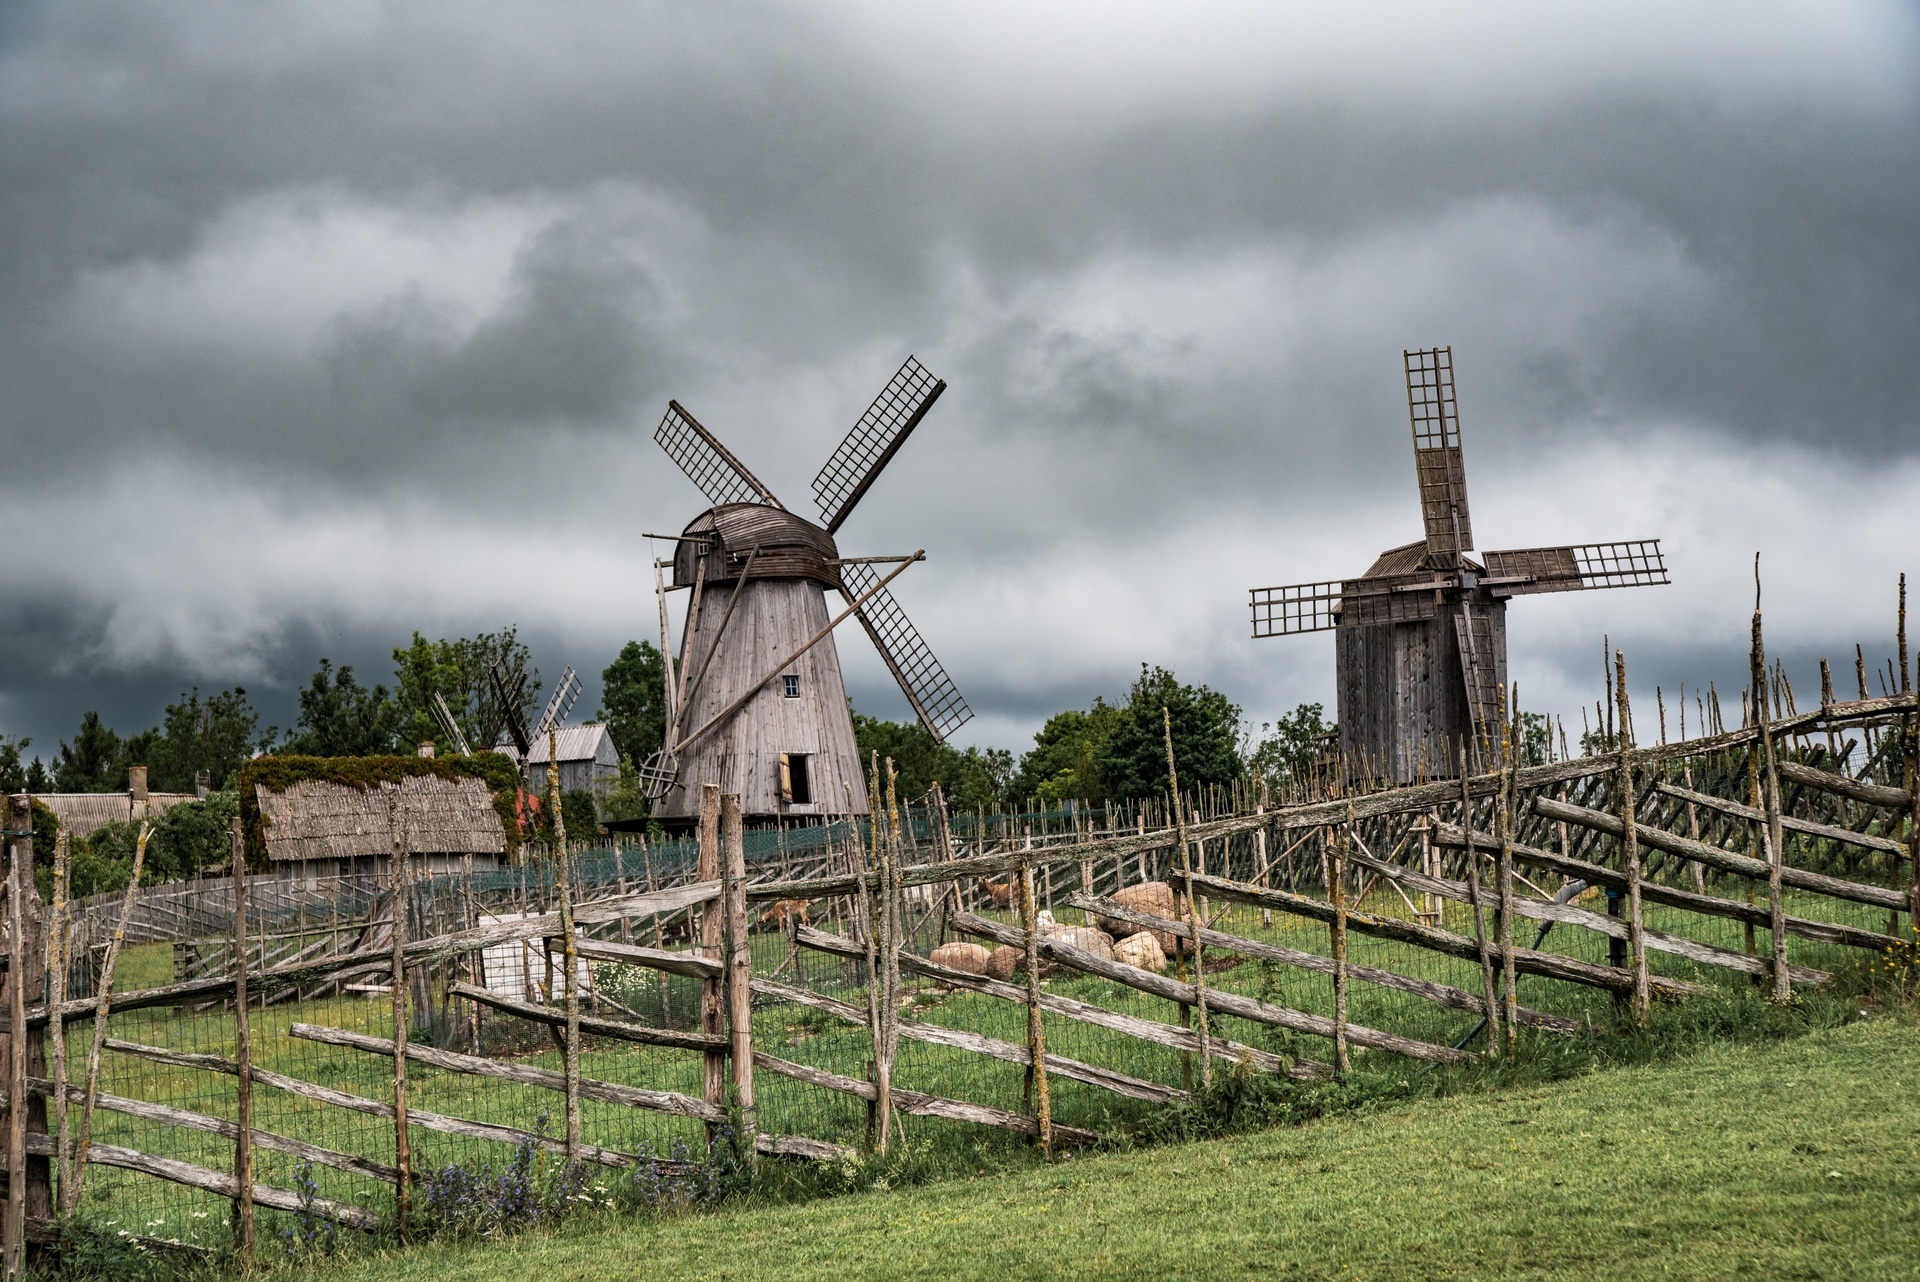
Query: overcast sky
x=320 y=324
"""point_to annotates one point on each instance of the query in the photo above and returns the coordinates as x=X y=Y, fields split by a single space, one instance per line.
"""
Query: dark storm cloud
x=433 y=272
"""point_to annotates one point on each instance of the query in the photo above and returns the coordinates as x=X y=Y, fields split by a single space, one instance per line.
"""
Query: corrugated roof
x=314 y=819
x=81 y=813
x=576 y=743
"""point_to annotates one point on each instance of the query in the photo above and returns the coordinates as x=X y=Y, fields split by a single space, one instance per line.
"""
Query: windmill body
x=789 y=751
x=1421 y=637
x=755 y=699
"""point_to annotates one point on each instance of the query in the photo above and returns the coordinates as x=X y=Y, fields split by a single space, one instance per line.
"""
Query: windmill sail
x=565 y=692
x=935 y=699
x=1297 y=607
x=708 y=464
x=874 y=440
x=509 y=687
x=449 y=726
x=1632 y=563
x=1437 y=462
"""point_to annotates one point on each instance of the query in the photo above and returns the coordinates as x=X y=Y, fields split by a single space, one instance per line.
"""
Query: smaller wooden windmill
x=1421 y=645
x=754 y=700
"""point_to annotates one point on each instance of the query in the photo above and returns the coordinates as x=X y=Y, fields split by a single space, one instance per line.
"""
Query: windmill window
x=796 y=787
x=792 y=684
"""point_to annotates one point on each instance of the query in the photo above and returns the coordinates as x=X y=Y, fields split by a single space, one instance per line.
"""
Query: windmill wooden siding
x=1401 y=700
x=328 y=828
x=773 y=618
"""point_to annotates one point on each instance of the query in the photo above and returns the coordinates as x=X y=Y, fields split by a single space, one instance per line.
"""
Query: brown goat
x=1000 y=892
x=785 y=911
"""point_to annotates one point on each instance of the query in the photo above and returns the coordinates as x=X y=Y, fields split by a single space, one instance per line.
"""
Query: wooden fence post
x=58 y=942
x=16 y=1230
x=739 y=972
x=1510 y=1007
x=243 y=1057
x=1775 y=835
x=1187 y=900
x=712 y=1005
x=1489 y=993
x=30 y=1179
x=400 y=887
x=1636 y=928
x=570 y=950
x=1041 y=1101
x=1337 y=891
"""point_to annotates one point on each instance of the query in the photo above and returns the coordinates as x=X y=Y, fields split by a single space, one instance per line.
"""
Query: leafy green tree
x=188 y=840
x=460 y=671
x=94 y=762
x=19 y=776
x=1289 y=747
x=969 y=778
x=1132 y=762
x=339 y=717
x=1061 y=764
x=214 y=736
x=621 y=797
x=633 y=700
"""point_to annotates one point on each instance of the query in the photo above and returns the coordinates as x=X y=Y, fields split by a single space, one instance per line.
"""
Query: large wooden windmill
x=1421 y=644
x=755 y=701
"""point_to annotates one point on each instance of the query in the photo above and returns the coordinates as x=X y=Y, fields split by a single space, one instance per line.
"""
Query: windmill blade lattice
x=509 y=687
x=449 y=726
x=708 y=464
x=874 y=440
x=1297 y=607
x=1437 y=461
x=938 y=702
x=1630 y=563
x=565 y=692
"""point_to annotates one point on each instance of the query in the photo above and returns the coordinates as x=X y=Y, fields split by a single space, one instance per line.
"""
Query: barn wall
x=773 y=618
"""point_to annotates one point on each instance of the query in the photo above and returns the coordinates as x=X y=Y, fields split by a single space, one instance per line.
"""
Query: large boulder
x=1003 y=961
x=1086 y=939
x=1142 y=950
x=971 y=958
x=1154 y=897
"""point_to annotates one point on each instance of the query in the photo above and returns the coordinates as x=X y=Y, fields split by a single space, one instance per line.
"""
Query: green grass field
x=1795 y=1159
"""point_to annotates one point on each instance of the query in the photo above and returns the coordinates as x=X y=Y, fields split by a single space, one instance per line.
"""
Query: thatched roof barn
x=330 y=816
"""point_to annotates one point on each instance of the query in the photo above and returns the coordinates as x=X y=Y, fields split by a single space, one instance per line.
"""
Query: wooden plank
x=1709 y=905
x=348 y=1162
x=1873 y=794
x=1224 y=1002
x=1527 y=961
x=1715 y=857
x=221 y=1183
x=920 y=1104
x=691 y=965
x=1440 y=994
x=978 y=1044
x=588 y=1024
x=524 y=1074
x=1791 y=824
x=1599 y=923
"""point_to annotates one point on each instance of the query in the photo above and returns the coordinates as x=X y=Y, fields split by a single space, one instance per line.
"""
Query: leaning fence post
x=712 y=1013
x=1509 y=719
x=243 y=1058
x=1775 y=835
x=1187 y=899
x=1337 y=891
x=1490 y=994
x=399 y=893
x=739 y=972
x=1636 y=930
x=570 y=951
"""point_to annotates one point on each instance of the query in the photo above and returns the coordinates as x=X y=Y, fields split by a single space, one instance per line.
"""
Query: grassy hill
x=1796 y=1159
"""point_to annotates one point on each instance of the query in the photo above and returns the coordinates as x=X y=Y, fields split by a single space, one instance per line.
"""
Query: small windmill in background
x=755 y=701
x=1421 y=645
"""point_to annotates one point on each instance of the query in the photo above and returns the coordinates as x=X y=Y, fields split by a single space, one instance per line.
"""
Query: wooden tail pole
x=400 y=891
x=243 y=1058
x=712 y=1004
x=739 y=974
